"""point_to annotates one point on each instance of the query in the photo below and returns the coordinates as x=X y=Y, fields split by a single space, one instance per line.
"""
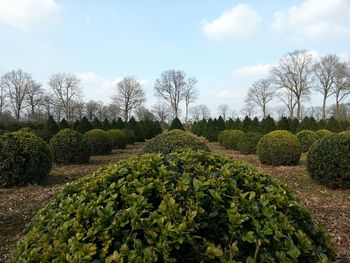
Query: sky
x=226 y=45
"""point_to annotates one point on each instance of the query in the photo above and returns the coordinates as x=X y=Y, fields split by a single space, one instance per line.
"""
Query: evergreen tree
x=84 y=125
x=134 y=126
x=247 y=124
x=229 y=124
x=96 y=123
x=322 y=124
x=283 y=124
x=75 y=125
x=294 y=125
x=220 y=125
x=106 y=124
x=267 y=125
x=333 y=125
x=51 y=125
x=308 y=123
x=114 y=124
x=176 y=124
x=120 y=124
x=255 y=125
x=237 y=125
x=64 y=124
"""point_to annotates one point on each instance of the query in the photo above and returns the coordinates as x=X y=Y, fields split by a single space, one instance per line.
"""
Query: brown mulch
x=19 y=205
x=329 y=207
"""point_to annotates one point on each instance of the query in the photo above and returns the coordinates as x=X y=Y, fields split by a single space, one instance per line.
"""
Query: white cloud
x=253 y=72
x=30 y=15
x=315 y=19
x=237 y=23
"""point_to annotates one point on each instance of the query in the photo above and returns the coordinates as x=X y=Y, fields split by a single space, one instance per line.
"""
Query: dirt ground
x=329 y=207
x=19 y=205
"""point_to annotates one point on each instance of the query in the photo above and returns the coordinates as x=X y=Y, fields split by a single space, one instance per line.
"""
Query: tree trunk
x=299 y=110
x=324 y=107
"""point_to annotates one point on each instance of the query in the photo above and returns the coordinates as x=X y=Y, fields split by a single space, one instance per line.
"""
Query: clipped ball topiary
x=188 y=207
x=99 y=141
x=323 y=133
x=69 y=146
x=130 y=135
x=279 y=147
x=222 y=135
x=248 y=142
x=328 y=161
x=118 y=137
x=306 y=139
x=231 y=139
x=24 y=159
x=174 y=141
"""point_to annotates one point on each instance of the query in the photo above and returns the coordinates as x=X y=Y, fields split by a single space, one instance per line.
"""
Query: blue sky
x=225 y=44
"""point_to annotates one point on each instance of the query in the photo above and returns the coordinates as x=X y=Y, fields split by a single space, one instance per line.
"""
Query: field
x=330 y=207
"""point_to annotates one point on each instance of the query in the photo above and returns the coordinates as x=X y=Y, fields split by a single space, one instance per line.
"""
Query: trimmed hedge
x=306 y=139
x=69 y=146
x=130 y=136
x=232 y=138
x=328 y=161
x=249 y=142
x=279 y=148
x=175 y=140
x=188 y=207
x=118 y=137
x=323 y=133
x=24 y=159
x=99 y=141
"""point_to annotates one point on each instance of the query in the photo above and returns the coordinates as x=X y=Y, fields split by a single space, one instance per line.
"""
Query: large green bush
x=188 y=207
x=323 y=133
x=328 y=161
x=222 y=135
x=231 y=139
x=279 y=148
x=175 y=140
x=99 y=141
x=307 y=138
x=69 y=146
x=118 y=137
x=130 y=135
x=24 y=159
x=248 y=142
x=347 y=132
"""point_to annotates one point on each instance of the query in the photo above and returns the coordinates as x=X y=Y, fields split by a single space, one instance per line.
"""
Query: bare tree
x=248 y=109
x=325 y=71
x=260 y=94
x=129 y=95
x=200 y=112
x=223 y=110
x=78 y=109
x=66 y=88
x=3 y=101
x=172 y=86
x=91 y=108
x=342 y=85
x=294 y=74
x=34 y=99
x=17 y=83
x=288 y=99
x=142 y=113
x=161 y=110
x=190 y=94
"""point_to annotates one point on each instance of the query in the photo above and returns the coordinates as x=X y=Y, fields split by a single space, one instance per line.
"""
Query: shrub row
x=183 y=207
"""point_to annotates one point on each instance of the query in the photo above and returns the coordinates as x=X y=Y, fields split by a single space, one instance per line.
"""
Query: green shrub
x=176 y=124
x=44 y=134
x=69 y=146
x=248 y=142
x=99 y=141
x=174 y=141
x=231 y=139
x=323 y=133
x=24 y=159
x=27 y=129
x=328 y=161
x=306 y=139
x=130 y=135
x=188 y=207
x=347 y=132
x=279 y=148
x=118 y=137
x=222 y=135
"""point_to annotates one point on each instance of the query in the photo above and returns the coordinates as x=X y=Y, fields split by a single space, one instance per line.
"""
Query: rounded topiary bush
x=24 y=159
x=44 y=134
x=323 y=133
x=187 y=207
x=328 y=161
x=347 y=132
x=26 y=129
x=99 y=141
x=222 y=135
x=69 y=146
x=232 y=138
x=118 y=137
x=306 y=139
x=248 y=142
x=279 y=147
x=174 y=141
x=130 y=135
